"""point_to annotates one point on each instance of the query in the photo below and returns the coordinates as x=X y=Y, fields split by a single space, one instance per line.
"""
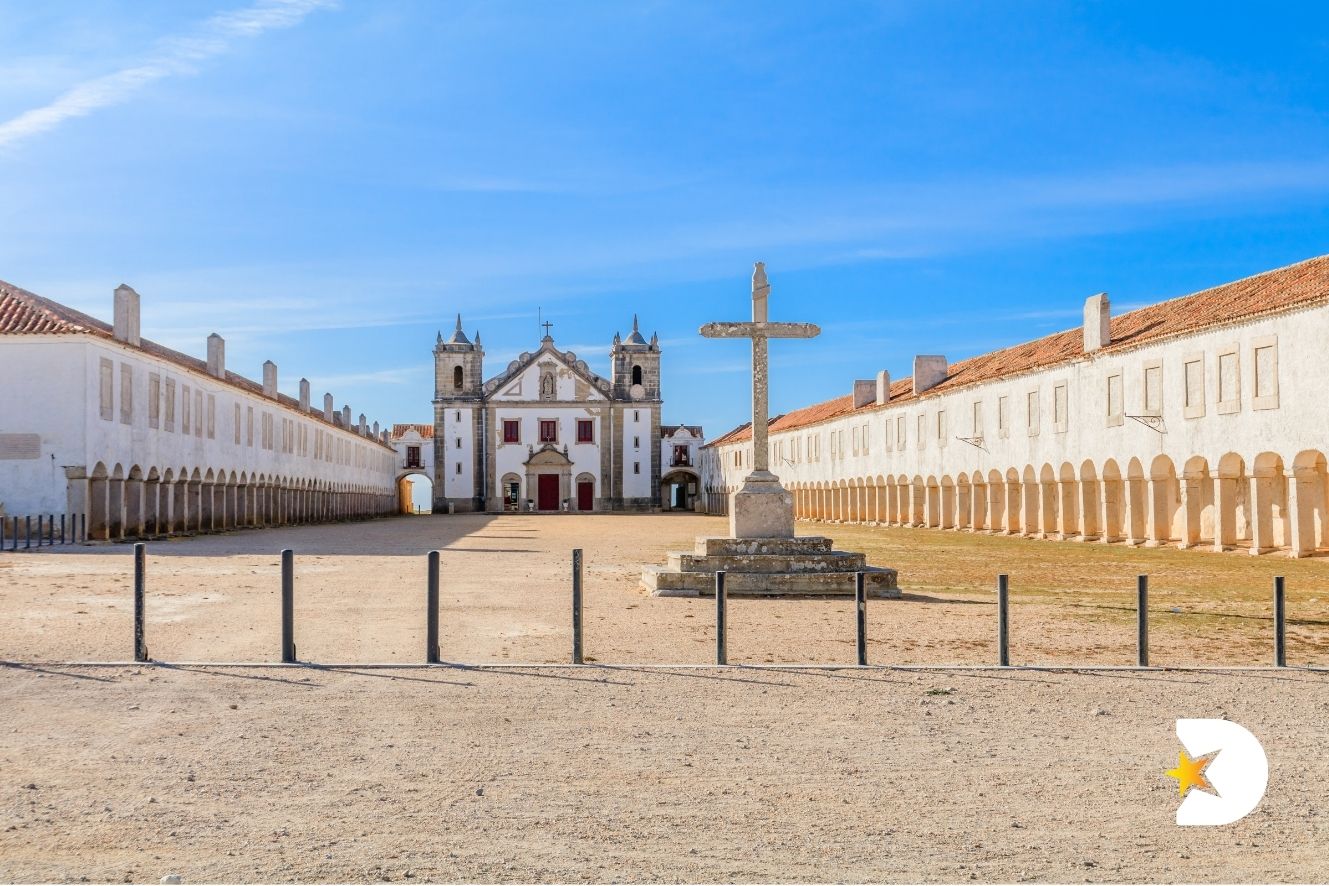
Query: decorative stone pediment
x=549 y=358
x=549 y=456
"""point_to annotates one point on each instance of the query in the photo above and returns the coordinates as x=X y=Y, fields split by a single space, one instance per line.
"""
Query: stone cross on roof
x=760 y=330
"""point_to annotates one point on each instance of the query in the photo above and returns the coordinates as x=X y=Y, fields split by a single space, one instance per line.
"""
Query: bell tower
x=636 y=366
x=458 y=406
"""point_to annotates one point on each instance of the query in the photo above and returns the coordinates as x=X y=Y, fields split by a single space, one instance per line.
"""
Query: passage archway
x=678 y=490
x=415 y=493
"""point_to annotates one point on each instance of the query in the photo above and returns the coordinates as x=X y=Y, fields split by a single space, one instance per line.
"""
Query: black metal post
x=140 y=599
x=721 y=623
x=27 y=533
x=1280 y=624
x=431 y=612
x=861 y=609
x=62 y=530
x=1142 y=621
x=287 y=606
x=577 y=657
x=2 y=533
x=13 y=544
x=50 y=531
x=85 y=527
x=41 y=528
x=1003 y=620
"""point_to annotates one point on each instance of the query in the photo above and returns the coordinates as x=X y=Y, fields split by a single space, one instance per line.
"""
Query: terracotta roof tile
x=26 y=313
x=1295 y=286
x=426 y=431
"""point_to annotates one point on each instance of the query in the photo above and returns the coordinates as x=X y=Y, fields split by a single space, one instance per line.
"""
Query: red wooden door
x=585 y=495
x=547 y=499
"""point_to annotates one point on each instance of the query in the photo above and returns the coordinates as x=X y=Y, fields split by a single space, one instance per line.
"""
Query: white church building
x=546 y=434
x=140 y=440
x=1199 y=422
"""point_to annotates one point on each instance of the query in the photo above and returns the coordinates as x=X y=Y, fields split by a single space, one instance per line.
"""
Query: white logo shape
x=1239 y=773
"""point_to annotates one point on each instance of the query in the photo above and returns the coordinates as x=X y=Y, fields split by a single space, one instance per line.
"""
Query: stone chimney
x=930 y=370
x=126 y=315
x=1097 y=322
x=304 y=395
x=216 y=356
x=328 y=408
x=865 y=392
x=363 y=428
x=375 y=430
x=883 y=387
x=270 y=379
x=346 y=417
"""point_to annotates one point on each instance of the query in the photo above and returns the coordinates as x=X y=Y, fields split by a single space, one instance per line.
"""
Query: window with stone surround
x=1153 y=387
x=212 y=416
x=548 y=430
x=1265 y=367
x=126 y=394
x=511 y=430
x=856 y=442
x=107 y=386
x=900 y=432
x=1193 y=381
x=941 y=427
x=976 y=428
x=198 y=413
x=154 y=400
x=1059 y=407
x=1116 y=400
x=185 y=410
x=1003 y=416
x=922 y=430
x=867 y=433
x=1032 y=412
x=585 y=430
x=237 y=424
x=169 y=423
x=249 y=427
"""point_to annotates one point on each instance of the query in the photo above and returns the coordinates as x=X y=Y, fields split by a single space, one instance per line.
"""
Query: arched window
x=636 y=375
x=456 y=377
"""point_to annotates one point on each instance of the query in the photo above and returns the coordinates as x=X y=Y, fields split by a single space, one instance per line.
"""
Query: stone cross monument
x=762 y=508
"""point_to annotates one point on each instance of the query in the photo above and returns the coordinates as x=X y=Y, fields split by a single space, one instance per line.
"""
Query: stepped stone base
x=802 y=565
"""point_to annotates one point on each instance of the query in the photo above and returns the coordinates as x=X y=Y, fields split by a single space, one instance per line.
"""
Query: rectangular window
x=185 y=411
x=867 y=443
x=840 y=442
x=1266 y=373
x=126 y=394
x=1193 y=378
x=154 y=400
x=636 y=442
x=1116 y=400
x=458 y=445
x=900 y=432
x=977 y=420
x=511 y=431
x=636 y=415
x=1229 y=381
x=249 y=427
x=856 y=443
x=636 y=467
x=212 y=417
x=1032 y=412
x=198 y=413
x=237 y=424
x=458 y=469
x=548 y=431
x=169 y=424
x=922 y=430
x=1059 y=406
x=941 y=427
x=1003 y=416
x=107 y=383
x=585 y=430
x=1153 y=388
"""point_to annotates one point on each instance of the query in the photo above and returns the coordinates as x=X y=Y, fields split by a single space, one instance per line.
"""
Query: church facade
x=546 y=434
x=1198 y=422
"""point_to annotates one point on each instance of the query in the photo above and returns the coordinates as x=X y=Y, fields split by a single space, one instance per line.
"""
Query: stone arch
x=1017 y=513
x=917 y=501
x=1165 y=515
x=586 y=479
x=1268 y=504
x=1231 y=487
x=948 y=502
x=1308 y=506
x=1068 y=503
x=1137 y=498
x=1112 y=526
x=1049 y=505
x=978 y=501
x=997 y=501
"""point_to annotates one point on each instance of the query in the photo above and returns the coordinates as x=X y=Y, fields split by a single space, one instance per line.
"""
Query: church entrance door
x=547 y=499
x=585 y=495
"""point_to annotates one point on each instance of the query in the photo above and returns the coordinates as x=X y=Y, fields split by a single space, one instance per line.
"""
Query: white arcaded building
x=1199 y=422
x=546 y=434
x=142 y=440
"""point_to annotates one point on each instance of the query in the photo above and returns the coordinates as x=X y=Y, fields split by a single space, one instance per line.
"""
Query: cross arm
x=760 y=330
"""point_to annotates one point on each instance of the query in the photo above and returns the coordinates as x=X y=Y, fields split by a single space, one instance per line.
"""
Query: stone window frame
x=1033 y=418
x=198 y=412
x=589 y=424
x=154 y=400
x=857 y=436
x=1004 y=416
x=922 y=431
x=504 y=424
x=186 y=409
x=126 y=394
x=867 y=438
x=636 y=467
x=1145 y=367
x=540 y=430
x=1232 y=405
x=941 y=428
x=1268 y=401
x=1192 y=410
x=212 y=416
x=1118 y=418
x=901 y=432
x=976 y=419
x=249 y=426
x=168 y=414
x=1061 y=397
x=238 y=422
x=106 y=387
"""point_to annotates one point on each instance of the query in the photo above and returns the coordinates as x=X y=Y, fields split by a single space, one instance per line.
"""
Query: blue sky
x=327 y=184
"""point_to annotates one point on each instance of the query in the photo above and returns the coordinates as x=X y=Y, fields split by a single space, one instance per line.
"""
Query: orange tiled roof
x=26 y=313
x=1283 y=289
x=426 y=431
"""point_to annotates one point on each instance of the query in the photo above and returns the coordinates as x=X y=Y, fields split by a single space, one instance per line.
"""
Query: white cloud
x=174 y=56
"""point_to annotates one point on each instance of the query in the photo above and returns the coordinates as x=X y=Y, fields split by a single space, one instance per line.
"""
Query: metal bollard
x=721 y=622
x=27 y=533
x=1142 y=621
x=140 y=599
x=1003 y=620
x=50 y=531
x=861 y=608
x=431 y=612
x=41 y=528
x=1280 y=624
x=287 y=606
x=13 y=543
x=577 y=657
x=62 y=530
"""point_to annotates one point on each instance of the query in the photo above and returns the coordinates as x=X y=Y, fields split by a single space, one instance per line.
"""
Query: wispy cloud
x=174 y=56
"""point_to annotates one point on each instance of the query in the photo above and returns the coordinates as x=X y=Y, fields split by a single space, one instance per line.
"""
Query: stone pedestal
x=767 y=567
x=762 y=508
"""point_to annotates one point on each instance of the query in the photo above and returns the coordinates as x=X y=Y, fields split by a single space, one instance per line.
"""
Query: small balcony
x=681 y=460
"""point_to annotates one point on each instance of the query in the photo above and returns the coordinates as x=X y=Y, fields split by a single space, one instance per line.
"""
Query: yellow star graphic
x=1190 y=773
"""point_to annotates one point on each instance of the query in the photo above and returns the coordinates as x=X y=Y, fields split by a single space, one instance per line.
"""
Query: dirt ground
x=625 y=772
x=360 y=592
